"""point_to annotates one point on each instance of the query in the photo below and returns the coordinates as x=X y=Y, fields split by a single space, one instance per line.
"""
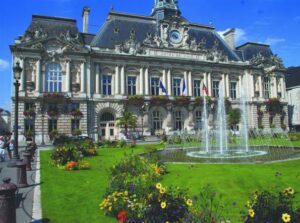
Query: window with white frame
x=198 y=119
x=233 y=85
x=53 y=79
x=131 y=85
x=178 y=120
x=215 y=88
x=75 y=124
x=266 y=86
x=197 y=88
x=176 y=86
x=106 y=84
x=154 y=86
x=156 y=120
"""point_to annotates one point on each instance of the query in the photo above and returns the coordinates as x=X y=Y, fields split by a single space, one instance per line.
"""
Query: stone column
x=274 y=87
x=164 y=80
x=68 y=76
x=23 y=78
x=209 y=87
x=97 y=82
x=117 y=80
x=82 y=78
x=123 y=80
x=227 y=93
x=169 y=82
x=282 y=87
x=169 y=117
x=224 y=84
x=38 y=76
x=240 y=85
x=260 y=86
x=141 y=81
x=205 y=83
x=190 y=84
x=146 y=81
x=252 y=86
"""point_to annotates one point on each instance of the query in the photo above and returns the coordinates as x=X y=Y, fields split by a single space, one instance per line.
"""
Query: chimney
x=85 y=19
x=229 y=38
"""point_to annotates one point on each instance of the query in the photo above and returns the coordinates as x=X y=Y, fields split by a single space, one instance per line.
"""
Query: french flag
x=204 y=89
x=184 y=90
x=162 y=87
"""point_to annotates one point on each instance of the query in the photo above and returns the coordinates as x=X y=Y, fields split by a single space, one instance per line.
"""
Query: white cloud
x=3 y=64
x=274 y=41
x=240 y=35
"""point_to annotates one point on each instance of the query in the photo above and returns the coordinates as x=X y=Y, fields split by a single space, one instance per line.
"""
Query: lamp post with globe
x=17 y=75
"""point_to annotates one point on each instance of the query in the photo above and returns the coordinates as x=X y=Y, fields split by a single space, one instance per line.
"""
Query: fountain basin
x=255 y=154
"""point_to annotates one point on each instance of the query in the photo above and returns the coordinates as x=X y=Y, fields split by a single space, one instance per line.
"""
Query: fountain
x=213 y=146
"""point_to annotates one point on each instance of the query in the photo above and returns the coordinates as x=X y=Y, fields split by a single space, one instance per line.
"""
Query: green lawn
x=75 y=196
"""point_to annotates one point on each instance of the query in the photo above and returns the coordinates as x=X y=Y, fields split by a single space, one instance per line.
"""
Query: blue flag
x=184 y=90
x=162 y=87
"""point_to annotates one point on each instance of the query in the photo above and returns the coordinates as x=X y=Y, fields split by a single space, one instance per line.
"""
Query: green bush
x=64 y=154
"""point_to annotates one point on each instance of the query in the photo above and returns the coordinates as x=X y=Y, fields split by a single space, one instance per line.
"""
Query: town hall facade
x=154 y=66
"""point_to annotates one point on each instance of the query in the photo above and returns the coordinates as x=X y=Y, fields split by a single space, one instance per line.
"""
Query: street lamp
x=17 y=75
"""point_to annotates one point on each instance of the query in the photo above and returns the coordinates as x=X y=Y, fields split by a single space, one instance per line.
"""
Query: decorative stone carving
x=269 y=63
x=75 y=75
x=30 y=69
x=131 y=46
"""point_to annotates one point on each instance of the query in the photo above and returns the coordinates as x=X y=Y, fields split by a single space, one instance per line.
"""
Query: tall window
x=131 y=84
x=156 y=120
x=53 y=81
x=176 y=87
x=52 y=125
x=197 y=88
x=75 y=106
x=198 y=120
x=233 y=90
x=154 y=86
x=106 y=85
x=215 y=88
x=75 y=124
x=29 y=125
x=29 y=105
x=178 y=120
x=266 y=87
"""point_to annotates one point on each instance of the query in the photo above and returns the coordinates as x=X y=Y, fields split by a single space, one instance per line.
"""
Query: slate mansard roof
x=250 y=50
x=117 y=28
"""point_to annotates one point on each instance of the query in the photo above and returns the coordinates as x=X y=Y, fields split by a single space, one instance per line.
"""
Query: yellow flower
x=163 y=205
x=126 y=193
x=110 y=208
x=189 y=202
x=158 y=186
x=162 y=190
x=289 y=190
x=286 y=217
x=251 y=213
x=249 y=205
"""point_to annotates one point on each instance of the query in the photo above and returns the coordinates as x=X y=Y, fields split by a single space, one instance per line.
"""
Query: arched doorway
x=107 y=126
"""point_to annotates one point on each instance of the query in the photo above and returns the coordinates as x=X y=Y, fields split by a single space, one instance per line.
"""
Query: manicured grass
x=75 y=196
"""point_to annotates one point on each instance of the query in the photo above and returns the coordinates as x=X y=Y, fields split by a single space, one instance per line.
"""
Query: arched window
x=53 y=79
x=107 y=117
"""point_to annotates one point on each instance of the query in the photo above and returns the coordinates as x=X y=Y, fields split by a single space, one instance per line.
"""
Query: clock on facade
x=175 y=36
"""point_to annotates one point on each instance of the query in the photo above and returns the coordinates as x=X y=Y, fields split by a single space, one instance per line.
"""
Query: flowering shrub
x=52 y=113
x=76 y=113
x=76 y=132
x=137 y=100
x=274 y=208
x=64 y=154
x=182 y=100
x=160 y=100
x=29 y=113
x=260 y=113
x=53 y=134
x=274 y=106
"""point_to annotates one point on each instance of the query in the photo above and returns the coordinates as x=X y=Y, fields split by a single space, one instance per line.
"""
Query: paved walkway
x=28 y=205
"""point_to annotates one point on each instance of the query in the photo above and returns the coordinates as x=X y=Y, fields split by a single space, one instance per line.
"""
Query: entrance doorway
x=107 y=126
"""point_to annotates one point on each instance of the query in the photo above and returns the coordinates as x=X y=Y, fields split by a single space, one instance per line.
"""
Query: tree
x=128 y=120
x=234 y=117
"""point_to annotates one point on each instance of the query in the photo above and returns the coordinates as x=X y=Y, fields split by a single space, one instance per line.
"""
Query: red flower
x=122 y=216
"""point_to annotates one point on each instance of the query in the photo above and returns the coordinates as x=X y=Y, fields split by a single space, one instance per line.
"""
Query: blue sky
x=275 y=22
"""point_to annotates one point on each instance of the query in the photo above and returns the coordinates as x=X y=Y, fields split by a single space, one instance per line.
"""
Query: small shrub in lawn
x=63 y=154
x=72 y=165
x=271 y=207
x=121 y=143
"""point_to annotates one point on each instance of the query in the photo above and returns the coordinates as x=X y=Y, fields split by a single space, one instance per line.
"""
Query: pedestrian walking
x=2 y=149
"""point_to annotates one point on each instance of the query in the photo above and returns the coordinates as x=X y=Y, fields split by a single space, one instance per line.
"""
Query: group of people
x=6 y=147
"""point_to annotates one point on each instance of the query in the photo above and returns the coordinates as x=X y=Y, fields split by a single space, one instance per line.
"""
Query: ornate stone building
x=143 y=64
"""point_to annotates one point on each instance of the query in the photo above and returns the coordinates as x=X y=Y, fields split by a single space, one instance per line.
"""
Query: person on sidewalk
x=2 y=149
x=7 y=145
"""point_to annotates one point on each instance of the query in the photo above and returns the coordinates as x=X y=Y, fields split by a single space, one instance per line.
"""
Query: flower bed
x=134 y=194
x=137 y=100
x=270 y=207
x=76 y=113
x=159 y=100
x=182 y=100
